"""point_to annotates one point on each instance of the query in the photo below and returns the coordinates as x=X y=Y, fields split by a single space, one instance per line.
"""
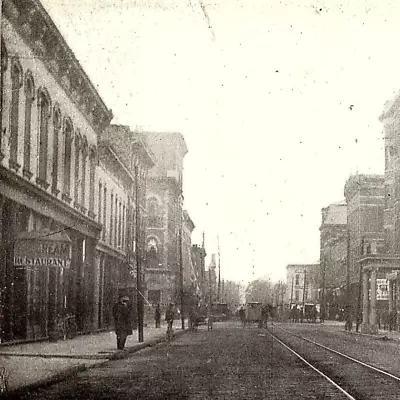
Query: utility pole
x=219 y=274
x=181 y=269
x=304 y=291
x=139 y=299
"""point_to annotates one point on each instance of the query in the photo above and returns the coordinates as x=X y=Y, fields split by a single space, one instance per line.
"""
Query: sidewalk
x=37 y=364
x=392 y=335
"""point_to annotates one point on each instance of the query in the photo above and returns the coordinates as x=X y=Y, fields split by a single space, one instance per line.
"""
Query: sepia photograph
x=199 y=199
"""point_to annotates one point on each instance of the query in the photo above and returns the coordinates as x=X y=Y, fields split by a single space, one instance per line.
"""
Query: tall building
x=124 y=161
x=333 y=257
x=365 y=210
x=50 y=121
x=198 y=259
x=165 y=216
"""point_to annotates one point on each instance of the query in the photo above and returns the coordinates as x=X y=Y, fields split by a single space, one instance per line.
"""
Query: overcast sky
x=278 y=103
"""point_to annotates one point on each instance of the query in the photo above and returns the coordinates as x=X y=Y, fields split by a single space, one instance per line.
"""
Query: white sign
x=382 y=289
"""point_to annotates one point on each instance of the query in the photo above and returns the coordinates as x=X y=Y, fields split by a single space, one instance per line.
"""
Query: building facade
x=302 y=282
x=365 y=218
x=333 y=256
x=50 y=121
x=124 y=161
x=165 y=217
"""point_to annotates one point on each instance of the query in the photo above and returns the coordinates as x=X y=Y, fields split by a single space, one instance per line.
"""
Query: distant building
x=198 y=261
x=124 y=161
x=302 y=283
x=365 y=217
x=165 y=216
x=211 y=280
x=333 y=256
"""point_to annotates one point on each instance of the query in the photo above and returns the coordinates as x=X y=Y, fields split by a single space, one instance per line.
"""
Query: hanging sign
x=43 y=252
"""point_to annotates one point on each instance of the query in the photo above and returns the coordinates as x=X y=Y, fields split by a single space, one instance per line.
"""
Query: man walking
x=157 y=315
x=122 y=321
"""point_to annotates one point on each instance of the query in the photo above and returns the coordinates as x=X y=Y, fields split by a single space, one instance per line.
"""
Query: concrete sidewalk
x=33 y=365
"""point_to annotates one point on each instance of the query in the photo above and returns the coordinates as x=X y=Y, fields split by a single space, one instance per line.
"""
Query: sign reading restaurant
x=33 y=249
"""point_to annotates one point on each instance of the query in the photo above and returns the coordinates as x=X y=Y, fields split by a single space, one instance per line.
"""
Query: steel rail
x=341 y=354
x=348 y=395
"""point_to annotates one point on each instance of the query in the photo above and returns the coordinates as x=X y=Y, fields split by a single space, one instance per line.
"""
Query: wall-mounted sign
x=33 y=249
x=382 y=289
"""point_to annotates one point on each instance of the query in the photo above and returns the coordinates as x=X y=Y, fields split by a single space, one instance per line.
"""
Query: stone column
x=397 y=289
x=373 y=302
x=96 y=292
x=390 y=294
x=365 y=320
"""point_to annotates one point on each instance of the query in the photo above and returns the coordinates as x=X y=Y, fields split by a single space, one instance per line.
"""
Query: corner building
x=51 y=117
x=165 y=217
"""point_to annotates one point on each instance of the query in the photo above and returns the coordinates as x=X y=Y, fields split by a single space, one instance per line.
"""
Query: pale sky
x=278 y=103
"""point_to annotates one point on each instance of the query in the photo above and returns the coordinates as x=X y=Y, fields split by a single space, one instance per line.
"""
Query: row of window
x=63 y=133
x=112 y=214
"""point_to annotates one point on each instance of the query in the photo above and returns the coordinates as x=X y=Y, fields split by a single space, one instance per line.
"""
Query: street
x=229 y=362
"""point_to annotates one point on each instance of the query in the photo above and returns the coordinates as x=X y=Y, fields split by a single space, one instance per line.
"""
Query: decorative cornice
x=38 y=30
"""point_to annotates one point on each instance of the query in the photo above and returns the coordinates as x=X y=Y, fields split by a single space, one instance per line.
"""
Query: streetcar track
x=348 y=395
x=381 y=371
x=349 y=385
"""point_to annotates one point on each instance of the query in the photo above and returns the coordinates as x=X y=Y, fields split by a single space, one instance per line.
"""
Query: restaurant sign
x=43 y=251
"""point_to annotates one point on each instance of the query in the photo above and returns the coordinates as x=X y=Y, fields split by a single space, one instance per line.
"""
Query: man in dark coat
x=122 y=320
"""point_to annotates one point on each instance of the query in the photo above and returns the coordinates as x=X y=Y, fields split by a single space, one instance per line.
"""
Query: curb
x=23 y=392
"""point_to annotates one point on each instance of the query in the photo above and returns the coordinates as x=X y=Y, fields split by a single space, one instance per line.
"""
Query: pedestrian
x=169 y=317
x=157 y=315
x=242 y=315
x=122 y=321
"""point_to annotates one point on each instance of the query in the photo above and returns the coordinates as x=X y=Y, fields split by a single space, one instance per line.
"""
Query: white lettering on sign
x=43 y=262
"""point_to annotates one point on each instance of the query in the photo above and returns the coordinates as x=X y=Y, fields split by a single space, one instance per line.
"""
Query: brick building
x=333 y=256
x=124 y=161
x=51 y=118
x=165 y=216
x=365 y=217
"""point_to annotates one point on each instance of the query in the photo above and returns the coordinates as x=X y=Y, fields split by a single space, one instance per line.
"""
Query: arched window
x=152 y=254
x=68 y=132
x=16 y=84
x=85 y=150
x=44 y=107
x=78 y=146
x=56 y=139
x=92 y=176
x=154 y=213
x=29 y=98
x=3 y=68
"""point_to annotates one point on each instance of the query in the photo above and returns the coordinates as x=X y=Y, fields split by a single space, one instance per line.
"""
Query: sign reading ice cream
x=33 y=249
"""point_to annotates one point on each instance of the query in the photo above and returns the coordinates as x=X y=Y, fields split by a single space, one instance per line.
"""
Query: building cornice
x=38 y=30
x=31 y=196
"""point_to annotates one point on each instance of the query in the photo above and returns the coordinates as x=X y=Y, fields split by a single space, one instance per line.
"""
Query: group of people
x=299 y=314
x=123 y=320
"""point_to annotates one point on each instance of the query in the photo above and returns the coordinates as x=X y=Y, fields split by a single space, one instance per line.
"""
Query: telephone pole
x=181 y=270
x=139 y=299
x=219 y=274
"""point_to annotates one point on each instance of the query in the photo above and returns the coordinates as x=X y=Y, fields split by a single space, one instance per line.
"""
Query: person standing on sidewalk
x=122 y=321
x=157 y=315
x=169 y=317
